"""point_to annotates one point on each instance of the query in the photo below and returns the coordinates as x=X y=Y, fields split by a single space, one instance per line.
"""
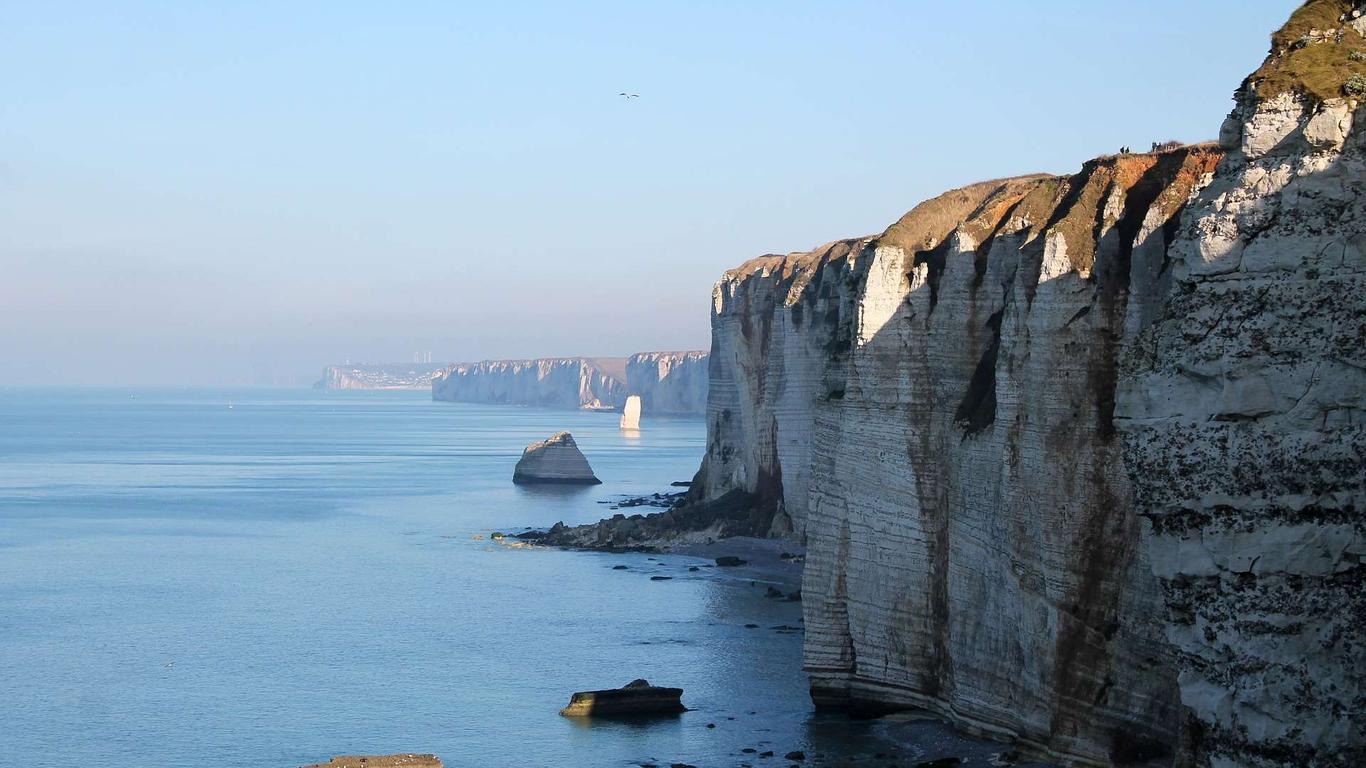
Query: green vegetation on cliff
x=1320 y=53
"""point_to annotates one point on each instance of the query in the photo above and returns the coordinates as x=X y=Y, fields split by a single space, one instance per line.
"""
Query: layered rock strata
x=556 y=459
x=562 y=382
x=1243 y=410
x=669 y=383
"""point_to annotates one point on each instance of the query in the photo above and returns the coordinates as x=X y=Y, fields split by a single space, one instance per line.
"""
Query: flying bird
x=629 y=95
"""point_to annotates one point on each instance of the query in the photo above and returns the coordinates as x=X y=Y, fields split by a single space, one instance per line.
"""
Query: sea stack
x=556 y=459
x=630 y=414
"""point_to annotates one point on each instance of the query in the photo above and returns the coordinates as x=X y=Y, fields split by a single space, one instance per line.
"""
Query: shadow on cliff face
x=1018 y=500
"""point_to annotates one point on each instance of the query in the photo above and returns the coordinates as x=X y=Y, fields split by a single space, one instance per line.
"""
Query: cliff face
x=566 y=382
x=1243 y=409
x=1079 y=460
x=931 y=409
x=669 y=383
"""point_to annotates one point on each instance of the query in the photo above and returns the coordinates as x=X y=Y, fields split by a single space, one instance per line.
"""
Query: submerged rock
x=557 y=459
x=637 y=697
x=405 y=760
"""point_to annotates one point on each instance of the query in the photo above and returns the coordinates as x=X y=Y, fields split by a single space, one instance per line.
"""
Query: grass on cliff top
x=1312 y=54
x=927 y=224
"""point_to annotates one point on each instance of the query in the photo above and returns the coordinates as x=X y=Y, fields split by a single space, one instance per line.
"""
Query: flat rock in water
x=381 y=761
x=557 y=459
x=637 y=697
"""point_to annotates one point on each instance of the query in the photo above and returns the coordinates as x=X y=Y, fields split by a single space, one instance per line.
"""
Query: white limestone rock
x=1243 y=409
x=930 y=411
x=630 y=414
x=557 y=459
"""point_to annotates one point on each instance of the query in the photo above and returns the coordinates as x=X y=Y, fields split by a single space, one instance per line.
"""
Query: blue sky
x=239 y=193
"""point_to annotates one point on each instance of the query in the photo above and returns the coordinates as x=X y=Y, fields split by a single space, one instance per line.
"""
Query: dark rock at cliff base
x=381 y=761
x=943 y=762
x=733 y=514
x=635 y=698
x=557 y=459
x=730 y=561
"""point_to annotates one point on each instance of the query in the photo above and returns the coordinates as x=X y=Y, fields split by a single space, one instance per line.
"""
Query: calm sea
x=270 y=578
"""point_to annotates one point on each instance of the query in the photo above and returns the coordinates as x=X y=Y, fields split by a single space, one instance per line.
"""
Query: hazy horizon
x=243 y=195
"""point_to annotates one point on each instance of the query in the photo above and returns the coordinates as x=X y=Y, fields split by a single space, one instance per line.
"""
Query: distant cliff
x=411 y=376
x=557 y=382
x=668 y=382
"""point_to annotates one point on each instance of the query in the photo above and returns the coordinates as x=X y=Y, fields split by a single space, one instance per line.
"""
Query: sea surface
x=271 y=578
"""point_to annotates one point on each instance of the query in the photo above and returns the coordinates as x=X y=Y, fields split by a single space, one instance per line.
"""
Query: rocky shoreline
x=684 y=521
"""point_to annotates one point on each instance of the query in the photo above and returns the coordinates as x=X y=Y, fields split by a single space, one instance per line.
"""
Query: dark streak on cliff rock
x=977 y=410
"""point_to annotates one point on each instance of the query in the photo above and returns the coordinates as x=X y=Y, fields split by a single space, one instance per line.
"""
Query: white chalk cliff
x=1079 y=460
x=1243 y=408
x=557 y=382
x=668 y=383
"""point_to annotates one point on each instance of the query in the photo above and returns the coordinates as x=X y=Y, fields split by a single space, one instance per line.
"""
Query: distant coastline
x=380 y=376
x=668 y=383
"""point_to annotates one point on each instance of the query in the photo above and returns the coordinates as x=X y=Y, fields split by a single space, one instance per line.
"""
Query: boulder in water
x=635 y=698
x=556 y=459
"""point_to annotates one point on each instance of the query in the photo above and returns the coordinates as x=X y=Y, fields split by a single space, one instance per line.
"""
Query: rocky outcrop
x=1243 y=409
x=634 y=699
x=669 y=383
x=393 y=376
x=684 y=522
x=556 y=459
x=560 y=382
